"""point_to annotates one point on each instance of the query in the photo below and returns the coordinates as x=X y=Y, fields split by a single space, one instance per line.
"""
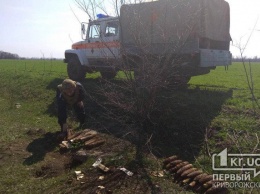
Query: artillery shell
x=186 y=180
x=94 y=143
x=170 y=159
x=173 y=163
x=194 y=174
x=200 y=176
x=192 y=184
x=182 y=169
x=186 y=172
x=208 y=184
x=178 y=166
x=205 y=179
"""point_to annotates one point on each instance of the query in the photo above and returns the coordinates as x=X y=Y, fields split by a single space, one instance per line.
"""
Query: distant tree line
x=7 y=55
x=251 y=59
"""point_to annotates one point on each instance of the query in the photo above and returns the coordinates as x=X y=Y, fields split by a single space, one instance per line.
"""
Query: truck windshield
x=94 y=31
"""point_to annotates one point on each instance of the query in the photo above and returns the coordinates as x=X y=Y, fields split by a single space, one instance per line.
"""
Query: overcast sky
x=37 y=28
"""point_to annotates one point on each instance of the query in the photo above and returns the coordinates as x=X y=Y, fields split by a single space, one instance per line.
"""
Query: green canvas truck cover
x=173 y=25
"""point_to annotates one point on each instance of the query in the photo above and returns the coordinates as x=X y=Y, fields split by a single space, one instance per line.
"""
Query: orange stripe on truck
x=95 y=45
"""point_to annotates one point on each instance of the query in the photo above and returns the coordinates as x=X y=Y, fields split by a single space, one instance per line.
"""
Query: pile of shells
x=190 y=177
x=86 y=138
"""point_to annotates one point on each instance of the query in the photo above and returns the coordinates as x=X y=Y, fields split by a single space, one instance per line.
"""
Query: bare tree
x=248 y=71
x=153 y=61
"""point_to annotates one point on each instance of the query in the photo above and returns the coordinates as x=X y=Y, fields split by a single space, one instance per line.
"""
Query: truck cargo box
x=175 y=26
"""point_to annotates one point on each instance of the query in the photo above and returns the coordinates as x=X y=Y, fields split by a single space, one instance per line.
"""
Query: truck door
x=94 y=39
x=110 y=48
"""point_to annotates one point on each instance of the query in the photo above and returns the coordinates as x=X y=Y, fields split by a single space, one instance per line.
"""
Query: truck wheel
x=108 y=74
x=180 y=82
x=75 y=70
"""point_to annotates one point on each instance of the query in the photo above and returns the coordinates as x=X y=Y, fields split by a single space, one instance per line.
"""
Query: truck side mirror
x=83 y=30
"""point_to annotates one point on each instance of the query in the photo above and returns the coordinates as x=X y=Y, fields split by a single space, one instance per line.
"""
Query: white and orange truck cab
x=196 y=30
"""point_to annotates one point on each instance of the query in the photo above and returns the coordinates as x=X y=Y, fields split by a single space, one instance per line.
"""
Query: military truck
x=196 y=32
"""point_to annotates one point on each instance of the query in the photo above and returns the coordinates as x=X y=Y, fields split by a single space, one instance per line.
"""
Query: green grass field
x=216 y=112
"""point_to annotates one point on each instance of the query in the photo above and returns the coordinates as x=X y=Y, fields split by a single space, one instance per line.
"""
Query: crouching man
x=70 y=93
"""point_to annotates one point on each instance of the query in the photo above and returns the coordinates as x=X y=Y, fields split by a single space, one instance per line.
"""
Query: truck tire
x=75 y=70
x=108 y=74
x=180 y=82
